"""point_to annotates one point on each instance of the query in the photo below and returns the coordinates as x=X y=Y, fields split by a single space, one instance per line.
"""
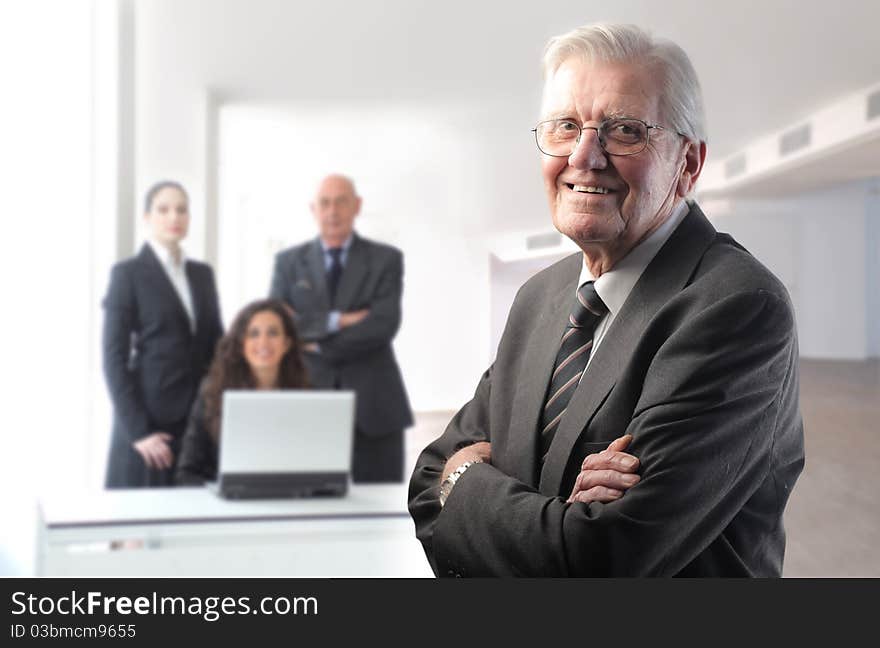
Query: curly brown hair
x=230 y=370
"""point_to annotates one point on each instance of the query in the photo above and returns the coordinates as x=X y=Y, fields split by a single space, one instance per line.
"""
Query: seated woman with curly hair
x=261 y=351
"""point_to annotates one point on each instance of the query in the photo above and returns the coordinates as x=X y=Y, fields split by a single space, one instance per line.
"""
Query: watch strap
x=451 y=478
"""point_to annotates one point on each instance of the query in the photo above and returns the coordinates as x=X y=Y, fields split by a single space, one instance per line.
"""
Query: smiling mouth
x=588 y=189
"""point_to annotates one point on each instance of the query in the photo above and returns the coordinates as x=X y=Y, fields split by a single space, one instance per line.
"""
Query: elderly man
x=345 y=293
x=641 y=416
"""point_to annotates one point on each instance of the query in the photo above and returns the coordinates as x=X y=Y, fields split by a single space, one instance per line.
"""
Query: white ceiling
x=762 y=64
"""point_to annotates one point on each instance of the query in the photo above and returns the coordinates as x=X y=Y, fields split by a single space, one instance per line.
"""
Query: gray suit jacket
x=700 y=366
x=359 y=357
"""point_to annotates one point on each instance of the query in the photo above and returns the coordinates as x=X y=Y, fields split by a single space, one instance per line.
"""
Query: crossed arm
x=605 y=476
x=361 y=330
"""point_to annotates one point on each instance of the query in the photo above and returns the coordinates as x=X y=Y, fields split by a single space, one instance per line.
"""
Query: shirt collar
x=164 y=254
x=615 y=285
x=344 y=246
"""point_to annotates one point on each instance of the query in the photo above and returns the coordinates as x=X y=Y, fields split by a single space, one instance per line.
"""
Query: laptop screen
x=301 y=431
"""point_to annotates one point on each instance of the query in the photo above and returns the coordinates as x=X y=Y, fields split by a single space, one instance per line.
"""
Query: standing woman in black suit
x=161 y=325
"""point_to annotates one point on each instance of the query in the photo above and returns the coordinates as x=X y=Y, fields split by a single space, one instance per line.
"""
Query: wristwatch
x=451 y=478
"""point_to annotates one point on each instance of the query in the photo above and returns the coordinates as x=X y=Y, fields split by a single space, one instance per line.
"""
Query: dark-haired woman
x=261 y=351
x=161 y=324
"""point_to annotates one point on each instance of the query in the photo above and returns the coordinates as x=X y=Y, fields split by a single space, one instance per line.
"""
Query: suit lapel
x=666 y=275
x=540 y=355
x=317 y=273
x=354 y=273
x=154 y=268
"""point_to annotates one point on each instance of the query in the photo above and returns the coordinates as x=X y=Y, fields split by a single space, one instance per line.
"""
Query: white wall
x=816 y=244
x=54 y=239
x=42 y=143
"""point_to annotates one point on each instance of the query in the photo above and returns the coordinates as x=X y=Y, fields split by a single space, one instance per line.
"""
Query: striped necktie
x=571 y=361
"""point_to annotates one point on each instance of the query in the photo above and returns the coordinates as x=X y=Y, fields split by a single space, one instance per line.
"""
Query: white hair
x=681 y=102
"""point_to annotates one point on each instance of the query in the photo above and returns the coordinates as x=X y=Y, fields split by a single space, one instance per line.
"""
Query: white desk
x=194 y=532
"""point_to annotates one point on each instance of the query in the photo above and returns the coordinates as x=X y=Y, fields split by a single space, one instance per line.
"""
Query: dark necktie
x=571 y=360
x=334 y=273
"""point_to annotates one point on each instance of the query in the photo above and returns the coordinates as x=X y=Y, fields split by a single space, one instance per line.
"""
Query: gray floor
x=833 y=517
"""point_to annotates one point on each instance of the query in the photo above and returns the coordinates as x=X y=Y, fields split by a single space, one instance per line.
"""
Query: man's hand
x=480 y=450
x=154 y=449
x=606 y=475
x=352 y=317
x=311 y=347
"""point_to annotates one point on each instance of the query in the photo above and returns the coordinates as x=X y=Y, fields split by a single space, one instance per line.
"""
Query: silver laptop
x=285 y=443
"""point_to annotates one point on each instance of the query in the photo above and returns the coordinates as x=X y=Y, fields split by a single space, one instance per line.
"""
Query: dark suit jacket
x=359 y=357
x=700 y=366
x=153 y=362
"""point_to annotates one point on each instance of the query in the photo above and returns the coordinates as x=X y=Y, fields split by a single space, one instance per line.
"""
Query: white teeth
x=585 y=189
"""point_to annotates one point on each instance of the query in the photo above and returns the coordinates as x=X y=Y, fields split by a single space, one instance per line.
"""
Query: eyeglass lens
x=617 y=136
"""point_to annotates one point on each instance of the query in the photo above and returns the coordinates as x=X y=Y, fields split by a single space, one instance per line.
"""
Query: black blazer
x=153 y=362
x=359 y=357
x=700 y=366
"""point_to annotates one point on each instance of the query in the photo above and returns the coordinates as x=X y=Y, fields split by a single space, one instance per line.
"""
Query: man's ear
x=694 y=158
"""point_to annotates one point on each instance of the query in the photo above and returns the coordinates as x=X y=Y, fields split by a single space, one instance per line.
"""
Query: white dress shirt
x=615 y=285
x=177 y=275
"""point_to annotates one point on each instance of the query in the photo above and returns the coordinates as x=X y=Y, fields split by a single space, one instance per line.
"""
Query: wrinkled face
x=265 y=341
x=168 y=217
x=335 y=208
x=602 y=201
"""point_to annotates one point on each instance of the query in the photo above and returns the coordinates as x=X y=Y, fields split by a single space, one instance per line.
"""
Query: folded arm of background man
x=716 y=414
x=378 y=328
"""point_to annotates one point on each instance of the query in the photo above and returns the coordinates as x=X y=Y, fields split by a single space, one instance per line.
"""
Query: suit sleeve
x=469 y=426
x=120 y=325
x=380 y=326
x=198 y=453
x=719 y=392
x=311 y=323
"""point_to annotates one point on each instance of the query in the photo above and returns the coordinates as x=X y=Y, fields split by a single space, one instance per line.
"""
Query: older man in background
x=345 y=294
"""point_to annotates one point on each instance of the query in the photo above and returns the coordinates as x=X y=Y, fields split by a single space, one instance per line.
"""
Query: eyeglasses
x=617 y=136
